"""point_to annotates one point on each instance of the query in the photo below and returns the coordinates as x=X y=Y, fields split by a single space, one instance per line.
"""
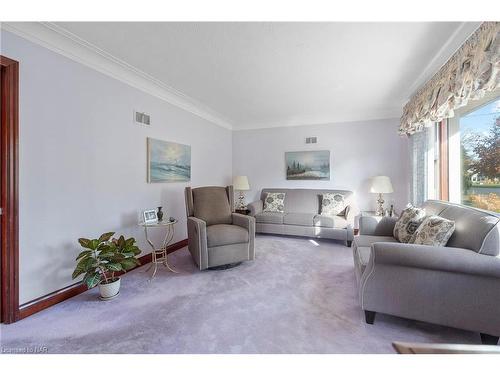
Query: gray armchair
x=216 y=235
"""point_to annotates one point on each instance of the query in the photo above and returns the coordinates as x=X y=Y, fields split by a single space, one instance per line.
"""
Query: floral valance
x=469 y=74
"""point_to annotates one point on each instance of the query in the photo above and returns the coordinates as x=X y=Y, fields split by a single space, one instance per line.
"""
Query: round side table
x=159 y=255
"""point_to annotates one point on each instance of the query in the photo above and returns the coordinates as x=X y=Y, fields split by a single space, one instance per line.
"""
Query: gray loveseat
x=302 y=215
x=457 y=285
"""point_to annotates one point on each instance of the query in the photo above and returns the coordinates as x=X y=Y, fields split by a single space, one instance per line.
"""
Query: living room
x=176 y=180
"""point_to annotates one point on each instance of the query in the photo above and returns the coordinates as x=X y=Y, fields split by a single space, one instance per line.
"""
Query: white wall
x=358 y=151
x=83 y=161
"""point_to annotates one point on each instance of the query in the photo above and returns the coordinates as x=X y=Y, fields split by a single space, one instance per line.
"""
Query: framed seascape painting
x=168 y=161
x=307 y=165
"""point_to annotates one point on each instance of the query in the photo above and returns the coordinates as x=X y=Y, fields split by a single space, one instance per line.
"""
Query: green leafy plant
x=103 y=257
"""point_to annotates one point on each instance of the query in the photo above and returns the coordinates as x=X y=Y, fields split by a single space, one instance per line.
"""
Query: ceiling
x=257 y=75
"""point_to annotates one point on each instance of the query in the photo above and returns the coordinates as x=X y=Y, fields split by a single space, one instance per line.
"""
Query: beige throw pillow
x=408 y=222
x=274 y=202
x=332 y=204
x=434 y=231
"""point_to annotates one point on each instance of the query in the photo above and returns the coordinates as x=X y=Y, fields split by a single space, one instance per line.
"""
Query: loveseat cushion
x=408 y=222
x=472 y=229
x=330 y=221
x=269 y=217
x=362 y=257
x=361 y=250
x=434 y=231
x=367 y=241
x=298 y=219
x=225 y=234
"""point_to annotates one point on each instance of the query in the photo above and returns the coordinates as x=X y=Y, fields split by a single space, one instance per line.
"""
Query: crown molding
x=63 y=42
x=452 y=44
x=388 y=114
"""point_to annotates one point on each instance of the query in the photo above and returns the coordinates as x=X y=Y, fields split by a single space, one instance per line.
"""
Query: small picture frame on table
x=150 y=216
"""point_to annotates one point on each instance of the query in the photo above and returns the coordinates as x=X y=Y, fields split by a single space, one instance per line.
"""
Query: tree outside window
x=480 y=151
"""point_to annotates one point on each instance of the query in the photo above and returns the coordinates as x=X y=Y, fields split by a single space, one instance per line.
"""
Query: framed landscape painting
x=308 y=165
x=168 y=161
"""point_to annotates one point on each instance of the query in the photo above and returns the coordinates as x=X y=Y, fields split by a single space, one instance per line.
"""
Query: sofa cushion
x=225 y=234
x=211 y=204
x=361 y=250
x=408 y=222
x=433 y=207
x=274 y=202
x=330 y=221
x=332 y=204
x=270 y=217
x=298 y=219
x=305 y=200
x=434 y=231
x=472 y=228
x=367 y=241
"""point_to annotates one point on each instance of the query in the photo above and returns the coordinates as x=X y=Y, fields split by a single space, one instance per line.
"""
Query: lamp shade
x=241 y=183
x=381 y=184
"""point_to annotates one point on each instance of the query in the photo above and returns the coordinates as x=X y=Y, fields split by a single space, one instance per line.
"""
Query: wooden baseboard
x=53 y=298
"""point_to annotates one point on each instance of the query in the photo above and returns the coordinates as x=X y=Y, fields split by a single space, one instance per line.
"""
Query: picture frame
x=149 y=216
x=308 y=165
x=168 y=161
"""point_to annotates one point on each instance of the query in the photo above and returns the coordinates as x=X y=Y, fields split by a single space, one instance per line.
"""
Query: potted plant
x=101 y=258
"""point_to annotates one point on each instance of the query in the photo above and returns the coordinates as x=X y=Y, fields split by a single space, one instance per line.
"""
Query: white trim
x=61 y=41
x=454 y=42
x=308 y=121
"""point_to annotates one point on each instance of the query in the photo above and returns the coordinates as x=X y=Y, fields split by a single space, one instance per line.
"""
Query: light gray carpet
x=295 y=297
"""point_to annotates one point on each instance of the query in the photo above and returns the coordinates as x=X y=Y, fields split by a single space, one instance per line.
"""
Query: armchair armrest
x=447 y=259
x=377 y=226
x=247 y=222
x=255 y=207
x=197 y=241
x=244 y=221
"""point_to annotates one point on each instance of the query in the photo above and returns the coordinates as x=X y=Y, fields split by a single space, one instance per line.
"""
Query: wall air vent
x=312 y=140
x=142 y=118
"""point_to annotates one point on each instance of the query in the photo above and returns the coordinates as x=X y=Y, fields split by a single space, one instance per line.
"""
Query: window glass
x=480 y=157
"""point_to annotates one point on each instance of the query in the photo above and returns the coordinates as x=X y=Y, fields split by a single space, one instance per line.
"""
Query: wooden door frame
x=9 y=169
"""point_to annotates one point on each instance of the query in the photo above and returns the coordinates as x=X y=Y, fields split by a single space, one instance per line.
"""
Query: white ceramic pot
x=110 y=290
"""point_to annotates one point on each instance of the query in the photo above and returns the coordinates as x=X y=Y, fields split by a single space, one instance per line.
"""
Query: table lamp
x=381 y=185
x=240 y=183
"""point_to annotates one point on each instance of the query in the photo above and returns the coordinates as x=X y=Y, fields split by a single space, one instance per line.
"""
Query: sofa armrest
x=377 y=226
x=447 y=259
x=197 y=241
x=255 y=207
x=350 y=214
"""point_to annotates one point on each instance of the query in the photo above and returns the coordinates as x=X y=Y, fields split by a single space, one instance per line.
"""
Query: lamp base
x=241 y=201
x=380 y=208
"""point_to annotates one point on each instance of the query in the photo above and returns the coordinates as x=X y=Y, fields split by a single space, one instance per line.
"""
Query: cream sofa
x=302 y=215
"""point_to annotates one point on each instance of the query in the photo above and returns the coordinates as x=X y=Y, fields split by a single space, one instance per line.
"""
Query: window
x=474 y=155
x=437 y=187
x=458 y=159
